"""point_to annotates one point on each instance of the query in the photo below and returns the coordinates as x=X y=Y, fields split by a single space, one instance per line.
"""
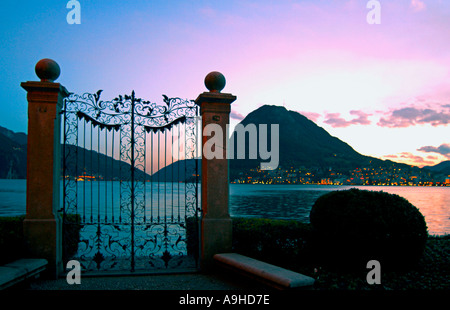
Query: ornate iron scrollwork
x=127 y=228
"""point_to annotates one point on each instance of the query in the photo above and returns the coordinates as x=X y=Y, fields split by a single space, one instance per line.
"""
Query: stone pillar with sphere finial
x=216 y=227
x=42 y=226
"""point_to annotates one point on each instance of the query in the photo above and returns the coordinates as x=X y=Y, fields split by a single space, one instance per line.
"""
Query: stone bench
x=20 y=270
x=272 y=275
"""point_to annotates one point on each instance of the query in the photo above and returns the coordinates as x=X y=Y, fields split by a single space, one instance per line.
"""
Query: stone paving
x=189 y=281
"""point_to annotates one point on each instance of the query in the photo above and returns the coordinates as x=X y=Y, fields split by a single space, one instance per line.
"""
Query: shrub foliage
x=354 y=226
x=13 y=246
x=71 y=235
x=279 y=242
x=11 y=239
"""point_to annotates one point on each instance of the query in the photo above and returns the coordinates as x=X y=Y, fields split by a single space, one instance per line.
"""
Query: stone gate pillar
x=42 y=225
x=216 y=228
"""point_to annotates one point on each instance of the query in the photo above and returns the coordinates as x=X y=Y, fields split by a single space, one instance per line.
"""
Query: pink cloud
x=443 y=149
x=415 y=159
x=362 y=118
x=411 y=116
x=336 y=121
x=236 y=115
x=310 y=115
x=391 y=156
x=417 y=5
x=410 y=159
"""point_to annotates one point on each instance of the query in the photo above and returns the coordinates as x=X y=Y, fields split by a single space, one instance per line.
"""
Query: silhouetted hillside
x=81 y=161
x=301 y=143
x=13 y=154
x=18 y=137
x=182 y=170
x=443 y=167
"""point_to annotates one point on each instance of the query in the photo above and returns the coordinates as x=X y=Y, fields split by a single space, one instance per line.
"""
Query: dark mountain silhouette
x=80 y=161
x=443 y=167
x=13 y=154
x=13 y=160
x=107 y=168
x=301 y=143
x=18 y=137
x=182 y=170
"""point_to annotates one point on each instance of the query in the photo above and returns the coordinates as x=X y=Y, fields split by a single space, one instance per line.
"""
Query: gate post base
x=43 y=240
x=216 y=238
x=42 y=224
x=216 y=231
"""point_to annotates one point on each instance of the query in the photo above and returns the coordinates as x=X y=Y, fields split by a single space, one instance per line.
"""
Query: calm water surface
x=295 y=201
x=279 y=201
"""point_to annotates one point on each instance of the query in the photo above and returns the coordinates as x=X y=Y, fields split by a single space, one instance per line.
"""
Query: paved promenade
x=188 y=281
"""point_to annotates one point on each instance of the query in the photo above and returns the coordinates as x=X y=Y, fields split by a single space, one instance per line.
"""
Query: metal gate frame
x=131 y=236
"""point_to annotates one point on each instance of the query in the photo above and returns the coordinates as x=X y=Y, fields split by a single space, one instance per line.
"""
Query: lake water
x=276 y=201
x=295 y=201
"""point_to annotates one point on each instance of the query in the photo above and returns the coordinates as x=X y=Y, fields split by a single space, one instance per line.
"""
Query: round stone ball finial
x=47 y=70
x=215 y=82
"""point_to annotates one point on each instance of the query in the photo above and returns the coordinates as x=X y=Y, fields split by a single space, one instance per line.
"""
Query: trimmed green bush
x=279 y=242
x=192 y=236
x=11 y=239
x=354 y=226
x=71 y=235
x=12 y=245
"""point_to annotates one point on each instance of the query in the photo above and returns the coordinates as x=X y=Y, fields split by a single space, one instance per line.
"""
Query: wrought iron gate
x=130 y=183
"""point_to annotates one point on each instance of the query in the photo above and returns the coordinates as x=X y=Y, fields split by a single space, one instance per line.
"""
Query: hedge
x=280 y=242
x=12 y=244
x=351 y=227
x=11 y=239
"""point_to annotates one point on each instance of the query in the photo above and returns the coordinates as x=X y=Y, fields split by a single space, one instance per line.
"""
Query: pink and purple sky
x=383 y=88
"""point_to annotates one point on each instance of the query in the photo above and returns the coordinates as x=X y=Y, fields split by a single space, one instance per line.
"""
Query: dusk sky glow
x=384 y=88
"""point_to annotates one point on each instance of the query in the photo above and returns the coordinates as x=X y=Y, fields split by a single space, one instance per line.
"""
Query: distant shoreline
x=341 y=185
x=236 y=183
